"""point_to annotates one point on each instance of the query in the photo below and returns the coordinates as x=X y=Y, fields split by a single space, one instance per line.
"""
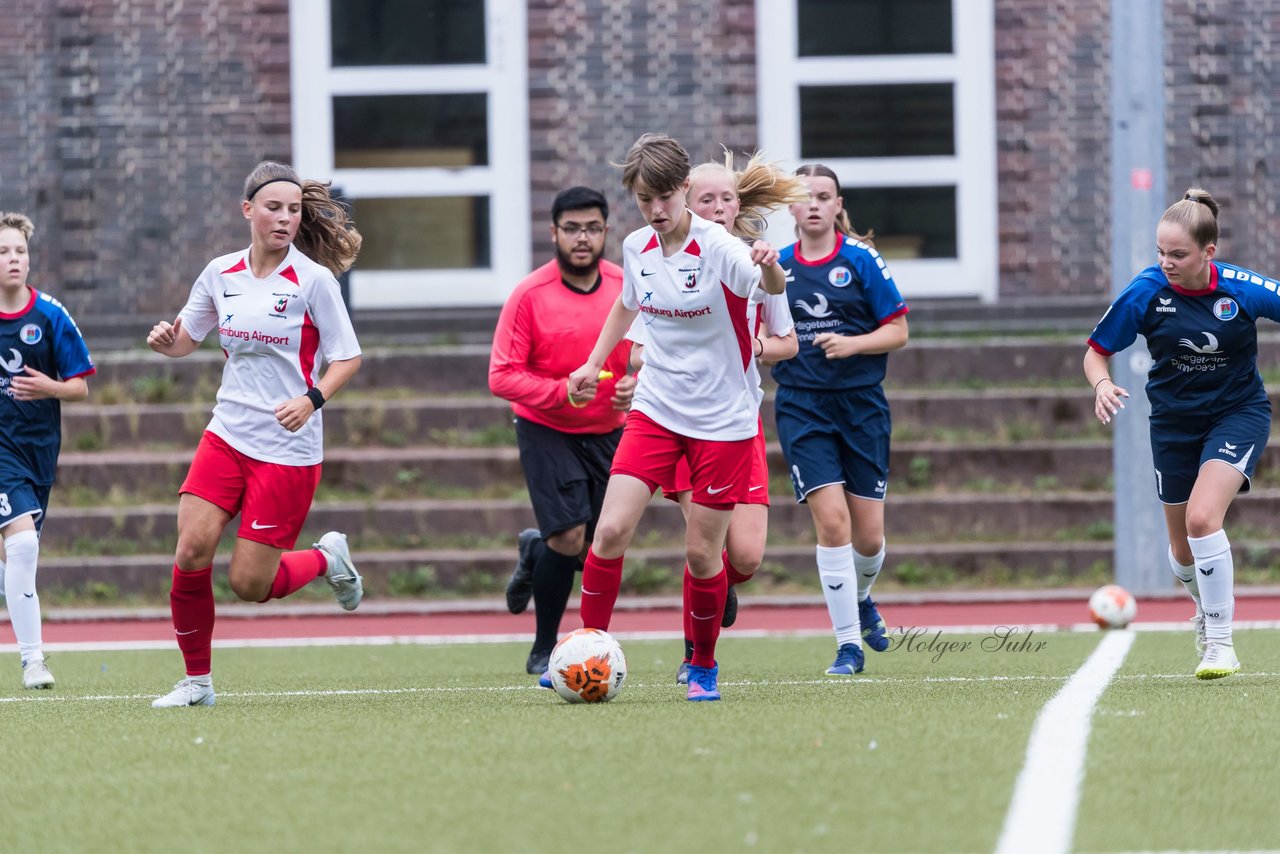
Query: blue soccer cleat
x=849 y=660
x=873 y=628
x=702 y=683
x=544 y=681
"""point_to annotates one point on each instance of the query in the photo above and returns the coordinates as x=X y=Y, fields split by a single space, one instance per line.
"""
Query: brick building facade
x=130 y=124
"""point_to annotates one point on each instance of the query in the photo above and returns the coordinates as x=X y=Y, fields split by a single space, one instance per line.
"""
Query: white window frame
x=972 y=169
x=505 y=180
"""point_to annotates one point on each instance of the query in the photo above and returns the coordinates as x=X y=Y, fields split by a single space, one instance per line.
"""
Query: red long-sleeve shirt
x=546 y=331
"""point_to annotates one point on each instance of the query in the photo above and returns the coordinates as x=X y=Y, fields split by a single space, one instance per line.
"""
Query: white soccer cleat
x=347 y=586
x=1219 y=661
x=35 y=674
x=188 y=692
x=1202 y=639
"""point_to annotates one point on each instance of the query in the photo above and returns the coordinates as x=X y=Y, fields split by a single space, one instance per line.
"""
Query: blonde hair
x=656 y=161
x=326 y=234
x=843 y=225
x=1197 y=212
x=761 y=187
x=18 y=221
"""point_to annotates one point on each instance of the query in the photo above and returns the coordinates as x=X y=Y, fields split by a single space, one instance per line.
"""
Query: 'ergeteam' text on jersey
x=274 y=332
x=849 y=292
x=1204 y=344
x=44 y=337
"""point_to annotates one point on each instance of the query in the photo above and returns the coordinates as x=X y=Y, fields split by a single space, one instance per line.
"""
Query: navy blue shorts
x=566 y=473
x=21 y=497
x=1180 y=448
x=835 y=437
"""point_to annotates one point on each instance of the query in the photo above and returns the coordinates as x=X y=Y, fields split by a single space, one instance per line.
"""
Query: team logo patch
x=1225 y=309
x=30 y=334
x=840 y=277
x=282 y=304
x=691 y=280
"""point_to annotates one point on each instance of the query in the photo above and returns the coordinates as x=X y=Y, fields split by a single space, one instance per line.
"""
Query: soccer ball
x=587 y=666
x=1112 y=607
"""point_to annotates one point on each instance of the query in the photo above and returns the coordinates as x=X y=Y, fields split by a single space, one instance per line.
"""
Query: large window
x=416 y=109
x=898 y=98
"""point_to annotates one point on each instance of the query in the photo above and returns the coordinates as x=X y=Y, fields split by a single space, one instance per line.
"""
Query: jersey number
x=5 y=509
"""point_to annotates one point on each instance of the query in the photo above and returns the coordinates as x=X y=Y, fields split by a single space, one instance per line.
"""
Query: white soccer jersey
x=776 y=314
x=273 y=332
x=700 y=378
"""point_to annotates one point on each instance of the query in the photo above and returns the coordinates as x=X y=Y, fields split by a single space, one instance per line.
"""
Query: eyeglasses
x=595 y=229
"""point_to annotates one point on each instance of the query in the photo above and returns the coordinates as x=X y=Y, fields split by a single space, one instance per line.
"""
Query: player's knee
x=1201 y=523
x=194 y=553
x=611 y=537
x=746 y=560
x=249 y=589
x=568 y=542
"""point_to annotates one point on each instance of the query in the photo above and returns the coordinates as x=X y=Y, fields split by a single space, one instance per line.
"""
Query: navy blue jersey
x=43 y=336
x=1204 y=344
x=850 y=292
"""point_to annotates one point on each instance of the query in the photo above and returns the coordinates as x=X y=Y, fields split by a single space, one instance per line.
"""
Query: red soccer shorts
x=757 y=492
x=720 y=472
x=272 y=499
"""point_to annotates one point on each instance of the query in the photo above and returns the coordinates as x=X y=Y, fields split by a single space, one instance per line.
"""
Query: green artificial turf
x=450 y=748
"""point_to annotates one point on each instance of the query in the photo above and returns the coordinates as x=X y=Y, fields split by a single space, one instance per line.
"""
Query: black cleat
x=520 y=587
x=730 y=608
x=539 y=662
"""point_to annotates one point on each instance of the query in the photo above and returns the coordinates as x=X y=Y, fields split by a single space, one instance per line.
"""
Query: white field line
x=1042 y=815
x=861 y=683
x=446 y=640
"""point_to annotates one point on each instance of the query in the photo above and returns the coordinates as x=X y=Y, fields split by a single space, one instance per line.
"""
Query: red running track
x=754 y=617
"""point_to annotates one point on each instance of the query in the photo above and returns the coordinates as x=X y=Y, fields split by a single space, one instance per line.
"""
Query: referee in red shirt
x=547 y=329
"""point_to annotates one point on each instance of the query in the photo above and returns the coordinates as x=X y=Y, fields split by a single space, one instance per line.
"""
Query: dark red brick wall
x=1223 y=95
x=128 y=127
x=602 y=72
x=1053 y=141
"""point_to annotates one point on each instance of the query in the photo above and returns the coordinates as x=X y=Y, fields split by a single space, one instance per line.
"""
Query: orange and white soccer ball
x=587 y=666
x=1112 y=607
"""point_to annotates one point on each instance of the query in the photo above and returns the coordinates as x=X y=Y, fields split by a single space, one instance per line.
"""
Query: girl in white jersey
x=278 y=313
x=739 y=201
x=698 y=396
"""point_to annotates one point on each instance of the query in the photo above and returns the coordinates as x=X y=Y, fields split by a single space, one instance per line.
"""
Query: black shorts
x=566 y=473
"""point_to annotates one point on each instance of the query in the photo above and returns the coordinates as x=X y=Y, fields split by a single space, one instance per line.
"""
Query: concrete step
x=960 y=516
x=451 y=571
x=925 y=362
x=415 y=471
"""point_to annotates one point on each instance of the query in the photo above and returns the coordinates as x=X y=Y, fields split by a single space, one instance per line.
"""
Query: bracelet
x=1100 y=382
x=761 y=343
x=316 y=397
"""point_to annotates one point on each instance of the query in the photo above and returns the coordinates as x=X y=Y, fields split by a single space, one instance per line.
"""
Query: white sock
x=1215 y=574
x=23 y=550
x=1187 y=575
x=839 y=586
x=206 y=679
x=1 y=579
x=867 y=567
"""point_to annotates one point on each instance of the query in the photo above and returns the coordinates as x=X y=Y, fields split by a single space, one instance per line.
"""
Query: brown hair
x=1197 y=212
x=326 y=234
x=761 y=187
x=842 y=218
x=657 y=161
x=21 y=222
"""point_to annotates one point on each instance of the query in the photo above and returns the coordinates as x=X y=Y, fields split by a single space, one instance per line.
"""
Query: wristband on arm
x=316 y=397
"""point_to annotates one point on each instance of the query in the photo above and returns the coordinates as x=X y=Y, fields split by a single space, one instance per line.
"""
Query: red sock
x=735 y=577
x=688 y=621
x=706 y=608
x=600 y=581
x=297 y=570
x=191 y=603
